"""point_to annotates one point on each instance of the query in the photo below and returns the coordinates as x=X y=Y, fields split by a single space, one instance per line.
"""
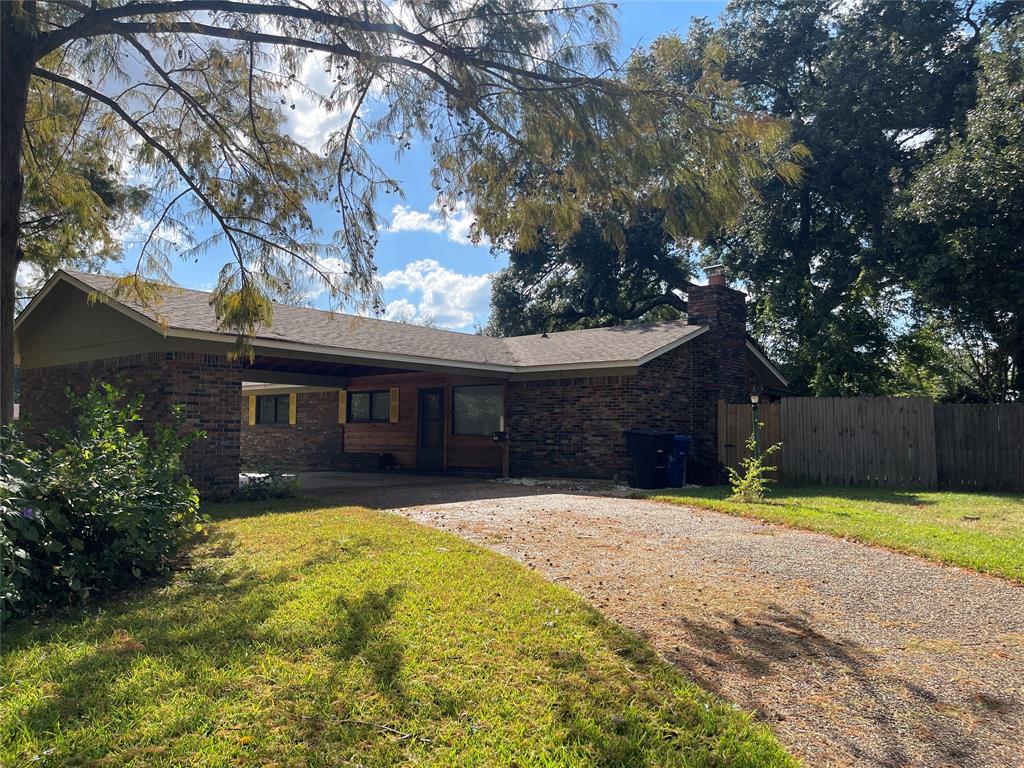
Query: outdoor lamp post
x=755 y=399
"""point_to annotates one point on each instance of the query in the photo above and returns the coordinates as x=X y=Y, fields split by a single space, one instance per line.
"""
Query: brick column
x=724 y=310
x=210 y=387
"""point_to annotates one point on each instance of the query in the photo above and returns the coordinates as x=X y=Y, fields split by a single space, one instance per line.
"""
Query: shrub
x=94 y=509
x=258 y=486
x=750 y=484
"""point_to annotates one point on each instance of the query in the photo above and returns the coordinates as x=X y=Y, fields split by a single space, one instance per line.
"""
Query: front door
x=430 y=430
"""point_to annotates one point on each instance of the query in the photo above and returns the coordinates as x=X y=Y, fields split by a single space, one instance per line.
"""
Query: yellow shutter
x=252 y=410
x=342 y=406
x=292 y=398
x=393 y=415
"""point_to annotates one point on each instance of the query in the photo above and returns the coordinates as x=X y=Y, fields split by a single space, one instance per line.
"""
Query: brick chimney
x=724 y=346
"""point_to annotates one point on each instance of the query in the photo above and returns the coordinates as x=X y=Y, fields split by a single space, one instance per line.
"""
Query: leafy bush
x=268 y=485
x=751 y=484
x=95 y=509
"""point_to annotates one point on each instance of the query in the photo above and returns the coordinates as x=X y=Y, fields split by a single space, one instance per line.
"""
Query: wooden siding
x=473 y=453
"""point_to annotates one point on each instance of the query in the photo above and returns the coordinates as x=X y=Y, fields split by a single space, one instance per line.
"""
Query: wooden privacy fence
x=891 y=442
x=980 y=446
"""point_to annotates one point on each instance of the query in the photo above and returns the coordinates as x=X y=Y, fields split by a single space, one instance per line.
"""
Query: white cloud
x=135 y=229
x=28 y=279
x=311 y=123
x=403 y=310
x=332 y=269
x=457 y=223
x=452 y=299
x=405 y=219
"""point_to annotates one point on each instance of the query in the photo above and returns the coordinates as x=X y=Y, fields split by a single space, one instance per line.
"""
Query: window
x=477 y=410
x=369 y=406
x=272 y=409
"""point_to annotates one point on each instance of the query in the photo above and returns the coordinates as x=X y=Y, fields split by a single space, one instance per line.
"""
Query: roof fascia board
x=251 y=388
x=766 y=362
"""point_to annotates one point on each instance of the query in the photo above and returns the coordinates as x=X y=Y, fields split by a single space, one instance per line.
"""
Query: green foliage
x=95 y=509
x=870 y=89
x=751 y=483
x=675 y=139
x=587 y=281
x=76 y=203
x=618 y=245
x=528 y=117
x=965 y=218
x=268 y=485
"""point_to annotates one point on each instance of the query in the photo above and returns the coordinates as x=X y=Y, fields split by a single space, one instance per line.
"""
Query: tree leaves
x=964 y=219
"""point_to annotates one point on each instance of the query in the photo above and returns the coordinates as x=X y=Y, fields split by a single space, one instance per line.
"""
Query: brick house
x=332 y=391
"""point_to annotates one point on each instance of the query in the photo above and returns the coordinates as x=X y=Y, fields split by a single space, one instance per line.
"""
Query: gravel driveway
x=856 y=656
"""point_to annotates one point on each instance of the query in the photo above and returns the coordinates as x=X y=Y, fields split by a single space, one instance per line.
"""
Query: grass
x=306 y=636
x=982 y=531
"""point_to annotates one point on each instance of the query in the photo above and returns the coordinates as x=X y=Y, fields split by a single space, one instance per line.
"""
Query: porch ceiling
x=284 y=370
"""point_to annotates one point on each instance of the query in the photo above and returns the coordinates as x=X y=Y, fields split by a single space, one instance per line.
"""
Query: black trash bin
x=650 y=450
x=677 y=460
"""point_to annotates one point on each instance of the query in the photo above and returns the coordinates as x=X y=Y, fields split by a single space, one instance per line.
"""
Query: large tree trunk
x=16 y=61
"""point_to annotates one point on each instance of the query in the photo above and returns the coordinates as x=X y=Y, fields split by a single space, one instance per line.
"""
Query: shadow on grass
x=361 y=631
x=618 y=730
x=193 y=622
x=211 y=615
x=227 y=647
x=240 y=510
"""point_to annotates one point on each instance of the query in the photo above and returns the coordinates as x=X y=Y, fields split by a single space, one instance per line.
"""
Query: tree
x=523 y=108
x=407 y=315
x=74 y=202
x=965 y=220
x=868 y=88
x=587 y=281
x=631 y=257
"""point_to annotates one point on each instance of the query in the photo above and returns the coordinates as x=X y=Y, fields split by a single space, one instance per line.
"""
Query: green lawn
x=305 y=636
x=983 y=531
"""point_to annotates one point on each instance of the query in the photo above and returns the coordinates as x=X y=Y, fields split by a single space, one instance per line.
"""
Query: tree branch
x=151 y=141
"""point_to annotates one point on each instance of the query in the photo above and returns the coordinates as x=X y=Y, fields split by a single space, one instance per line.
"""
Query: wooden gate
x=735 y=424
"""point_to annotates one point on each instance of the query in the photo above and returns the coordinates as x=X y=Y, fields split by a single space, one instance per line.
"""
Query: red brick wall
x=571 y=427
x=721 y=369
x=314 y=442
x=678 y=392
x=207 y=385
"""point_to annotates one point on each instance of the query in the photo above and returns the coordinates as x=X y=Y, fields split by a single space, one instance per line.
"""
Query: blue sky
x=427 y=267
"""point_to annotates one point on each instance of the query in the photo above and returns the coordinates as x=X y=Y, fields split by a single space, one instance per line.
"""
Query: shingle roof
x=190 y=310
